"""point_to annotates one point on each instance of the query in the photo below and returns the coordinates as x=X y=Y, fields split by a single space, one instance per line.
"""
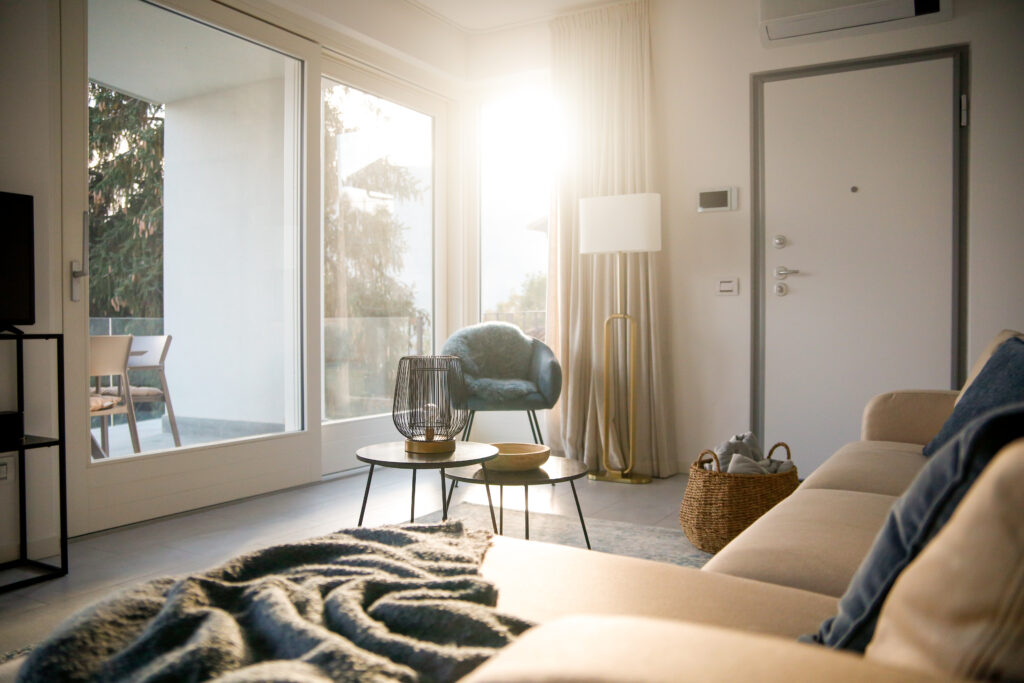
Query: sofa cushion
x=885 y=467
x=1000 y=383
x=907 y=415
x=985 y=355
x=813 y=540
x=541 y=582
x=977 y=629
x=917 y=516
x=606 y=649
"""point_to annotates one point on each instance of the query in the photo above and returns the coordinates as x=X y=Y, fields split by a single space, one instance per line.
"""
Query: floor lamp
x=616 y=225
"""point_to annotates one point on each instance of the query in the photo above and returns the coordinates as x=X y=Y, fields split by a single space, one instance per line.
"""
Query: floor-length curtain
x=601 y=77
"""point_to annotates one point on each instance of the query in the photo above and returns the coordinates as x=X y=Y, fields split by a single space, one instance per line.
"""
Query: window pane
x=378 y=246
x=194 y=230
x=516 y=171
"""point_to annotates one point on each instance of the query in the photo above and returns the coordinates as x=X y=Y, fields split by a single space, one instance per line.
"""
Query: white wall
x=229 y=303
x=29 y=164
x=513 y=51
x=704 y=54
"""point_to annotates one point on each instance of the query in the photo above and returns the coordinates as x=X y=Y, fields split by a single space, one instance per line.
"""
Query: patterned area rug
x=618 y=538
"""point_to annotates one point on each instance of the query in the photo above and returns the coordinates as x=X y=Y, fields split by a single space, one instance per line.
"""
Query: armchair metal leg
x=535 y=427
x=469 y=426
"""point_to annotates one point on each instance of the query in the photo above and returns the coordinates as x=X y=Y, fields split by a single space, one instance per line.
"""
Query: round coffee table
x=393 y=454
x=555 y=471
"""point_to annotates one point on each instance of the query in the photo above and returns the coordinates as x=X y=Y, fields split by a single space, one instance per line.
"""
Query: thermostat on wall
x=716 y=199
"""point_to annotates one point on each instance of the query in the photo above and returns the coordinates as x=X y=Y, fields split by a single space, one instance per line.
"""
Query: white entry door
x=858 y=205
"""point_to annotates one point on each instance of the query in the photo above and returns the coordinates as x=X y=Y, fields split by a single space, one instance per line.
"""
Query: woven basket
x=717 y=505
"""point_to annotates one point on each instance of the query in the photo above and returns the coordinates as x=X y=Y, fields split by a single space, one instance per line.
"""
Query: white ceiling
x=162 y=57
x=477 y=16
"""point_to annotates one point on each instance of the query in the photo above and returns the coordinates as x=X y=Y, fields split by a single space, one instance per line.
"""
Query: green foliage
x=526 y=307
x=361 y=280
x=126 y=156
x=532 y=295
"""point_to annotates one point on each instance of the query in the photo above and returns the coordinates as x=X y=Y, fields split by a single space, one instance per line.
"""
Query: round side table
x=555 y=471
x=393 y=454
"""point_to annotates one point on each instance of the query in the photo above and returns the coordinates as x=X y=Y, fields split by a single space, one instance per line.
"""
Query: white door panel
x=858 y=170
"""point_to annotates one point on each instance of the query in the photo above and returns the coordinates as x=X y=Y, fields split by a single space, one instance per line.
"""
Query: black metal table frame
x=29 y=442
x=500 y=529
x=425 y=465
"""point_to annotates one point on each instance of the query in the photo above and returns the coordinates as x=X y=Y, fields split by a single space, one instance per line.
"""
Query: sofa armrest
x=591 y=648
x=913 y=416
x=546 y=372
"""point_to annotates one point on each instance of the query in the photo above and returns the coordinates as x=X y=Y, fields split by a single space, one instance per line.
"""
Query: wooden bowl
x=516 y=457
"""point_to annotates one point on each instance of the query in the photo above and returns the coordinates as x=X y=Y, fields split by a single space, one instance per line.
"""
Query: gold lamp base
x=430 y=447
x=619 y=477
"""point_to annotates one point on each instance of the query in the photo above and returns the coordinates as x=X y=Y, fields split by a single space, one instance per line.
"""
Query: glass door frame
x=341 y=438
x=104 y=494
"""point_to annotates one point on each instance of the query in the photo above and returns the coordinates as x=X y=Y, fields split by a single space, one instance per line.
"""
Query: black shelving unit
x=24 y=447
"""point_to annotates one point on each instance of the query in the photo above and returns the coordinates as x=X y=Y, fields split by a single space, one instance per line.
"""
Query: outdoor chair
x=149 y=353
x=108 y=357
x=506 y=370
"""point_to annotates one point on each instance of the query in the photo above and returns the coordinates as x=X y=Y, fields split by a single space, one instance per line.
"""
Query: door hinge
x=963 y=110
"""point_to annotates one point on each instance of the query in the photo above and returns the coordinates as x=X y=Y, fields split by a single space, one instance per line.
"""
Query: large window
x=194 y=197
x=516 y=176
x=377 y=246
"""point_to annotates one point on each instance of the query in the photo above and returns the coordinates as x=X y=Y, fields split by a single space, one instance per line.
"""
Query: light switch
x=727 y=286
x=716 y=199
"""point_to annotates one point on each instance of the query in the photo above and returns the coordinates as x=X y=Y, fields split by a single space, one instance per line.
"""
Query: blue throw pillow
x=914 y=519
x=999 y=383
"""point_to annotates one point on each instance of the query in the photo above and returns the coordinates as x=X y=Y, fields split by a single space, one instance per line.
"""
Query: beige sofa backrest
x=985 y=355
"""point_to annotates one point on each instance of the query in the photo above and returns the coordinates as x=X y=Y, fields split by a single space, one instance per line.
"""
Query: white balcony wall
x=229 y=254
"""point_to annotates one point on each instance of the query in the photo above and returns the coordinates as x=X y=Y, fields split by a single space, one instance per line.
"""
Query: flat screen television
x=17 y=260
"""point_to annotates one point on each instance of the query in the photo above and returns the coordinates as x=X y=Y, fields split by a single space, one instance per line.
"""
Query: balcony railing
x=531 y=322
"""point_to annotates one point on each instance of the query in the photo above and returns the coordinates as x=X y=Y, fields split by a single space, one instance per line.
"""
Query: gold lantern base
x=430 y=447
x=619 y=477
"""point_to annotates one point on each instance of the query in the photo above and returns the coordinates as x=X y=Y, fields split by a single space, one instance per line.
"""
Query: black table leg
x=490 y=504
x=412 y=509
x=366 y=494
x=526 y=500
x=501 y=510
x=444 y=500
x=451 y=490
x=580 y=511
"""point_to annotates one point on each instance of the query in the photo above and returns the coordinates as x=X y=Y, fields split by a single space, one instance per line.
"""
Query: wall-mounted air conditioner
x=788 y=19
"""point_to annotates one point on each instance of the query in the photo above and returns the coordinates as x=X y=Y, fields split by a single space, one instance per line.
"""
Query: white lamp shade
x=622 y=222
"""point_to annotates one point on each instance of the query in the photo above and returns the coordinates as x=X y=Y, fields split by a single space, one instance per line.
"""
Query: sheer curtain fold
x=601 y=76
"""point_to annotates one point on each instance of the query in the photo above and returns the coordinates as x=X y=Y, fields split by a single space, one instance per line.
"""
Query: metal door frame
x=960 y=55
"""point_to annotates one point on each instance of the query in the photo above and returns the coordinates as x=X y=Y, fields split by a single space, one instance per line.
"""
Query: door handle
x=782 y=271
x=80 y=269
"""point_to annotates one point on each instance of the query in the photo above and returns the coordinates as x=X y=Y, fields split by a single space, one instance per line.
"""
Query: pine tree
x=126 y=141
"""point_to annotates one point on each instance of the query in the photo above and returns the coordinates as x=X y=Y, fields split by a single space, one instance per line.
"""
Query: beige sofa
x=604 y=617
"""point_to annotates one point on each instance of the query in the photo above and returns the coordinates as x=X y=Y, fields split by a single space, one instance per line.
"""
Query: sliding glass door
x=380 y=210
x=194 y=229
x=190 y=143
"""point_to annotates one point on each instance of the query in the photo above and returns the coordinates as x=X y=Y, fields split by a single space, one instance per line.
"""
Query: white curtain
x=601 y=77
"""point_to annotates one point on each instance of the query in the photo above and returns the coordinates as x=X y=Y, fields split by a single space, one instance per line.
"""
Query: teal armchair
x=506 y=370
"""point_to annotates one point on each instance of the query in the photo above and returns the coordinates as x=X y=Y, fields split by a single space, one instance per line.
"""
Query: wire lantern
x=431 y=403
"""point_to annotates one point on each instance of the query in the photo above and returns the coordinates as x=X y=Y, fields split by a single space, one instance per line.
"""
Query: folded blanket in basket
x=744 y=444
x=399 y=603
x=743 y=465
